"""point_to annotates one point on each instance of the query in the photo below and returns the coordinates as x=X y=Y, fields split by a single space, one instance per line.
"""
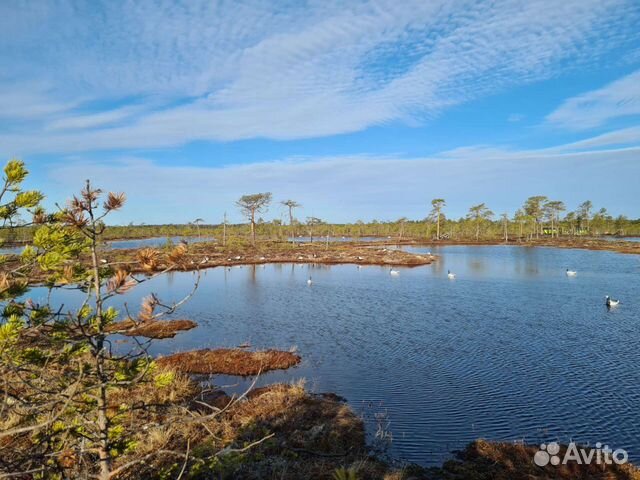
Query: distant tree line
x=539 y=216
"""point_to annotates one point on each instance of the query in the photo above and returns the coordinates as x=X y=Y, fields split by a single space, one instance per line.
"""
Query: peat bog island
x=341 y=240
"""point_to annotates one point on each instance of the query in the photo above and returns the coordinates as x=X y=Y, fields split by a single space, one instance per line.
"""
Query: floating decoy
x=571 y=273
x=451 y=275
x=393 y=272
x=611 y=302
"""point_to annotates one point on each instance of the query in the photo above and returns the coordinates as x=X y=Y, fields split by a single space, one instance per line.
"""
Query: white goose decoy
x=451 y=275
x=571 y=273
x=611 y=302
x=309 y=281
x=393 y=272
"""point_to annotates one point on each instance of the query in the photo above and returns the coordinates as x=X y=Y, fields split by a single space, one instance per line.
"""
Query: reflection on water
x=155 y=241
x=320 y=239
x=511 y=349
x=132 y=243
x=11 y=250
x=621 y=239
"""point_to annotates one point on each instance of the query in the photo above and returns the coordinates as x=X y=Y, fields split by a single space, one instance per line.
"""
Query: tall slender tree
x=479 y=214
x=553 y=209
x=437 y=205
x=505 y=226
x=521 y=218
x=197 y=223
x=401 y=224
x=534 y=207
x=224 y=230
x=249 y=205
x=584 y=214
x=291 y=205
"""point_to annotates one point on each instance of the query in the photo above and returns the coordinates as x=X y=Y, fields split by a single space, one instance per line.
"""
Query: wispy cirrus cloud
x=595 y=108
x=620 y=137
x=91 y=120
x=228 y=71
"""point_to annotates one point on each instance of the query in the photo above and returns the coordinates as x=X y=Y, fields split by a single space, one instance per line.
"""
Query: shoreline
x=621 y=246
x=204 y=255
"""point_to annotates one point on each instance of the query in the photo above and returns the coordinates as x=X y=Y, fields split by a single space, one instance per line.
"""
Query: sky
x=359 y=109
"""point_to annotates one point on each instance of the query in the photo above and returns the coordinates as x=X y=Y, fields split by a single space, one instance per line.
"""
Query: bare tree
x=401 y=222
x=249 y=205
x=224 y=230
x=312 y=222
x=505 y=226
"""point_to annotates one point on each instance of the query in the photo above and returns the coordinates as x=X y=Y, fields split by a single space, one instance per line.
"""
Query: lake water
x=131 y=243
x=321 y=239
x=621 y=239
x=512 y=349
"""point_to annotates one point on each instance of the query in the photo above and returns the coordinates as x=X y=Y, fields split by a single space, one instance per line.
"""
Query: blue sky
x=356 y=109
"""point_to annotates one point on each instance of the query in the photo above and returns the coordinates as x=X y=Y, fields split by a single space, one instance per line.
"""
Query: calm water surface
x=132 y=243
x=621 y=239
x=320 y=239
x=155 y=241
x=512 y=349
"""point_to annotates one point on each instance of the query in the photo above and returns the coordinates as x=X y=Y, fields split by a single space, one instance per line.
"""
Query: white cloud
x=620 y=137
x=30 y=101
x=90 y=120
x=229 y=70
x=593 y=109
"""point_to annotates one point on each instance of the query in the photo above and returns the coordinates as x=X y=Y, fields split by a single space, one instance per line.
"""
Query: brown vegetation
x=483 y=460
x=156 y=329
x=230 y=361
x=208 y=255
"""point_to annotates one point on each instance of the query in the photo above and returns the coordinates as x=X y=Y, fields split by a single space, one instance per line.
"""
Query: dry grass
x=483 y=460
x=230 y=361
x=156 y=329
